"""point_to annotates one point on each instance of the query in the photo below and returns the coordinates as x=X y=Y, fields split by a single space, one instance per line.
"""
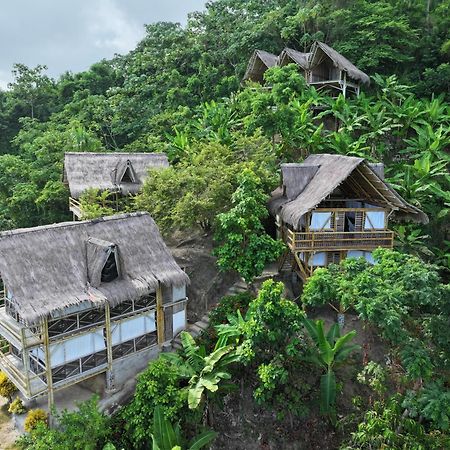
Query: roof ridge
x=70 y=224
x=115 y=153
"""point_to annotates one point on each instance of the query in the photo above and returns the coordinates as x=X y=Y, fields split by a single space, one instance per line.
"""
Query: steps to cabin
x=194 y=329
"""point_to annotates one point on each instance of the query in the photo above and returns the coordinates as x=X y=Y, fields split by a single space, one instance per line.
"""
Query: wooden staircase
x=194 y=329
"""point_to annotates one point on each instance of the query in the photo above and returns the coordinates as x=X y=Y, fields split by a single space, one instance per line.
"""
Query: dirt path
x=8 y=434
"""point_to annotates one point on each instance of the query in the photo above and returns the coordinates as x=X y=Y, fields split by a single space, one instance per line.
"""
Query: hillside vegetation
x=179 y=92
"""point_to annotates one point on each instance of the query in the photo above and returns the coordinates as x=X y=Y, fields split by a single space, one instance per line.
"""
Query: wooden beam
x=109 y=354
x=159 y=315
x=48 y=368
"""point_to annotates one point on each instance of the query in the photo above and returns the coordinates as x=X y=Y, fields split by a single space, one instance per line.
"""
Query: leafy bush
x=84 y=429
x=244 y=246
x=160 y=384
x=432 y=402
x=230 y=304
x=95 y=203
x=7 y=387
x=34 y=417
x=17 y=406
x=273 y=342
x=385 y=426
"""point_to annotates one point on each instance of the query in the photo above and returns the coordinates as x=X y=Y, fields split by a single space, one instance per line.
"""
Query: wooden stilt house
x=84 y=298
x=323 y=67
x=331 y=207
x=121 y=174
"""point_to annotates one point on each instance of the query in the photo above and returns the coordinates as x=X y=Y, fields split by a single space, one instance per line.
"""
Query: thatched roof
x=109 y=171
x=306 y=185
x=289 y=55
x=340 y=61
x=50 y=268
x=259 y=62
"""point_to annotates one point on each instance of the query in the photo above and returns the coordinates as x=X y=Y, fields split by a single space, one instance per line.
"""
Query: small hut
x=322 y=67
x=259 y=62
x=329 y=69
x=121 y=174
x=331 y=207
x=85 y=298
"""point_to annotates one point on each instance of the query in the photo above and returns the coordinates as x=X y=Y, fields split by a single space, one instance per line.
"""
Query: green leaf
x=327 y=392
x=202 y=440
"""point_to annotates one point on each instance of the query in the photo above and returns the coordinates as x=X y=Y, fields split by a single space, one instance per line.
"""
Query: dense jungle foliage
x=179 y=92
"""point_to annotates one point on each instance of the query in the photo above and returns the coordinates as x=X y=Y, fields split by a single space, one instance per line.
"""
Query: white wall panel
x=76 y=347
x=133 y=328
x=179 y=321
x=179 y=293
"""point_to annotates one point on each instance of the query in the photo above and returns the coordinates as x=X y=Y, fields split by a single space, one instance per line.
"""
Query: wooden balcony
x=75 y=207
x=335 y=241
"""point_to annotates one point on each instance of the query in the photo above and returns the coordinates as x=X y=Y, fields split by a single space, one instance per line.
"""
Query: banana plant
x=330 y=350
x=204 y=371
x=167 y=437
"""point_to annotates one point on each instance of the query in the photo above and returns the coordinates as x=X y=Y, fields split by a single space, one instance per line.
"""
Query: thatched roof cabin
x=305 y=185
x=320 y=50
x=322 y=64
x=259 y=62
x=117 y=172
x=49 y=269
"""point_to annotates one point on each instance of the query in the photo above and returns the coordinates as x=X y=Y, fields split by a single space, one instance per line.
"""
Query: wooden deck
x=333 y=241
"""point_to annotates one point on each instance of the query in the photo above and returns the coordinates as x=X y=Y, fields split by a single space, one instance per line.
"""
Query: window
x=374 y=220
x=321 y=221
x=110 y=271
x=127 y=177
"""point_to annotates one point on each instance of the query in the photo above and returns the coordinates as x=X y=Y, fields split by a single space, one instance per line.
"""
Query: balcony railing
x=331 y=241
x=75 y=206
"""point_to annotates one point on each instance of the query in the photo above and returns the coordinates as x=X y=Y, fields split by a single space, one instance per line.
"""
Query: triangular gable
x=126 y=173
x=259 y=62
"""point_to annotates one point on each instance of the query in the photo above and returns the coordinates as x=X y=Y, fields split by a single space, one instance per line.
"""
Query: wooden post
x=48 y=368
x=344 y=88
x=26 y=361
x=109 y=373
x=159 y=315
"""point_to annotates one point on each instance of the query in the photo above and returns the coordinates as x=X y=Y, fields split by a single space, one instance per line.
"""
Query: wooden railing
x=330 y=240
x=74 y=202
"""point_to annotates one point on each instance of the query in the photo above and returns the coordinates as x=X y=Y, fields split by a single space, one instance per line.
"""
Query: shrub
x=17 y=407
x=7 y=387
x=160 y=384
x=34 y=417
x=84 y=429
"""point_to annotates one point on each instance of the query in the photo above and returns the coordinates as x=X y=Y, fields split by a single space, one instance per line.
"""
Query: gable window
x=110 y=271
x=128 y=175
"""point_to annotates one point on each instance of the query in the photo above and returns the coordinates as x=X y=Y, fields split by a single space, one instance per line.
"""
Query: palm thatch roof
x=259 y=62
x=50 y=268
x=117 y=172
x=340 y=61
x=306 y=185
x=289 y=55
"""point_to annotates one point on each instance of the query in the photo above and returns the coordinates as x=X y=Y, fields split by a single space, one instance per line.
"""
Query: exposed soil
x=8 y=434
